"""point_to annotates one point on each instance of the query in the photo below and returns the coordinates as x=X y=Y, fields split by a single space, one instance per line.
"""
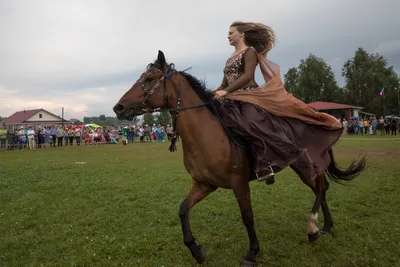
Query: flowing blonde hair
x=257 y=35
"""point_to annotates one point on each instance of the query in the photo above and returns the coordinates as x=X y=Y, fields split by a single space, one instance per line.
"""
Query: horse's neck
x=196 y=126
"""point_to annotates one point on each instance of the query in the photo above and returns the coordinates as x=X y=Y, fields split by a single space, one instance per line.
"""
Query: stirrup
x=267 y=176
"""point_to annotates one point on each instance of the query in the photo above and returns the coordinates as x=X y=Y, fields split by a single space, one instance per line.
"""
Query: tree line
x=365 y=76
x=106 y=121
x=162 y=118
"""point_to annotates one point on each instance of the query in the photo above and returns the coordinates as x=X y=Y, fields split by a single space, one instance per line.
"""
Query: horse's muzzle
x=126 y=113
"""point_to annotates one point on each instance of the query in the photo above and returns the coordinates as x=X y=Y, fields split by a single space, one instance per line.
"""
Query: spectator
x=60 y=135
x=3 y=138
x=31 y=138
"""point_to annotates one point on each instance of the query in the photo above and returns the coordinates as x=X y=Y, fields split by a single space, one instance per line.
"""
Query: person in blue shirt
x=53 y=133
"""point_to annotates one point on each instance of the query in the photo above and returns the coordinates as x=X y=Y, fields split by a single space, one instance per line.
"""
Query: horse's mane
x=199 y=87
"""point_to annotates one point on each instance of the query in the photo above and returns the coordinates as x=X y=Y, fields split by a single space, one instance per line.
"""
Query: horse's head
x=147 y=92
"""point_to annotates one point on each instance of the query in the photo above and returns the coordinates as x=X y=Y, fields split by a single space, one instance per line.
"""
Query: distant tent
x=93 y=125
x=392 y=117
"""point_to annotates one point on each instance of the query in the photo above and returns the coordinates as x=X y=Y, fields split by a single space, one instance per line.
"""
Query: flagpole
x=398 y=101
x=382 y=94
x=384 y=106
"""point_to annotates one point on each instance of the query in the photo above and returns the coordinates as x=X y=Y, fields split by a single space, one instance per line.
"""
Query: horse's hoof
x=246 y=263
x=270 y=181
x=200 y=255
x=312 y=236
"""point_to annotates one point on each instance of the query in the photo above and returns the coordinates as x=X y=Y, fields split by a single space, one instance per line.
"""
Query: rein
x=176 y=109
x=150 y=91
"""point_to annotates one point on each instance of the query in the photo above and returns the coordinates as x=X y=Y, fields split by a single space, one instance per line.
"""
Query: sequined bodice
x=234 y=68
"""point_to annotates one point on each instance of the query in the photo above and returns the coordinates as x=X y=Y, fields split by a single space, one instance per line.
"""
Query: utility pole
x=398 y=99
x=62 y=117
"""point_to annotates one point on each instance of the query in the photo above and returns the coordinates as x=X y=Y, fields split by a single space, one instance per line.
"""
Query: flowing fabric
x=273 y=98
x=280 y=129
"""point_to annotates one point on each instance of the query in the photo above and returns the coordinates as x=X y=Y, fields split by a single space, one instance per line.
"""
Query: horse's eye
x=148 y=79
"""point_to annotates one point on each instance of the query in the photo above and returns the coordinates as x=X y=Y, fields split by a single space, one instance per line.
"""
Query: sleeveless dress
x=277 y=141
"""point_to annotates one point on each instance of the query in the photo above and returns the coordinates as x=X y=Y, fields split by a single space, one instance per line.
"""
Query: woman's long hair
x=257 y=35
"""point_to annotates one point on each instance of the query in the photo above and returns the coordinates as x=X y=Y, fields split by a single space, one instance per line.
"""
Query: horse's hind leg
x=301 y=167
x=328 y=221
x=242 y=193
x=196 y=194
x=319 y=188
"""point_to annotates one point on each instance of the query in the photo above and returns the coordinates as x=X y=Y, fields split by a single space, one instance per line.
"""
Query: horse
x=212 y=155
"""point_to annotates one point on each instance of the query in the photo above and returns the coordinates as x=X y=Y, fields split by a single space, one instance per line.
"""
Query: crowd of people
x=32 y=137
x=359 y=126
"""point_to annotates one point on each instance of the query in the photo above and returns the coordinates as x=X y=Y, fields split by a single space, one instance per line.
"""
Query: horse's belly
x=210 y=166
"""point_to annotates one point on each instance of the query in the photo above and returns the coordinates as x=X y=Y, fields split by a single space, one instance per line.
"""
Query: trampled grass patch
x=114 y=205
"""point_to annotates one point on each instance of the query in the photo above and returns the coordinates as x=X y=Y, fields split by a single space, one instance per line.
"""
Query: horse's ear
x=161 y=59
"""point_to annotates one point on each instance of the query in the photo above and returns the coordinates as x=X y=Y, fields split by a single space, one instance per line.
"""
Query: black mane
x=199 y=87
x=207 y=96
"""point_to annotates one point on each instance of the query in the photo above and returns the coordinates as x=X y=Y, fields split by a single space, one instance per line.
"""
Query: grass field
x=120 y=208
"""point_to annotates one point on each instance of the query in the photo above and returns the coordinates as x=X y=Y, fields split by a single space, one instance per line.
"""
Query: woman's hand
x=220 y=93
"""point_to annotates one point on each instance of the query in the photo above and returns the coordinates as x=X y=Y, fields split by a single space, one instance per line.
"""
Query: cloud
x=391 y=51
x=392 y=47
x=62 y=53
x=87 y=102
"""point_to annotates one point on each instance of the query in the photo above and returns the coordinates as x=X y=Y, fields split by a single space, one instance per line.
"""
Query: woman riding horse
x=280 y=130
x=250 y=110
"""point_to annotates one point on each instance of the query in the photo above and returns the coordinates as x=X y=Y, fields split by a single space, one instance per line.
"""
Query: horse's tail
x=337 y=174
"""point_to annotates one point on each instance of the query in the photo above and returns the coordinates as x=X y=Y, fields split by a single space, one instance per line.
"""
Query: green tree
x=149 y=118
x=291 y=79
x=78 y=122
x=366 y=75
x=164 y=118
x=105 y=121
x=313 y=80
x=88 y=120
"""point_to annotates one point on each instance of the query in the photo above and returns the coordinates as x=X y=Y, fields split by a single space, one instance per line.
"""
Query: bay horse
x=212 y=156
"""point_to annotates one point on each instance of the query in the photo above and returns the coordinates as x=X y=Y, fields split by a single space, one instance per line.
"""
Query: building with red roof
x=338 y=110
x=34 y=117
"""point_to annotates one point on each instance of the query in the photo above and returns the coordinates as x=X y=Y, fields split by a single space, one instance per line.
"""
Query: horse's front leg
x=242 y=193
x=196 y=194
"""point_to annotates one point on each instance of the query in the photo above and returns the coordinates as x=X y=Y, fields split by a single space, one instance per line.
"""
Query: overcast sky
x=83 y=55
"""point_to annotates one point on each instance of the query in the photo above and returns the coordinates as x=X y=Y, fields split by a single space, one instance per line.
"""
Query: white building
x=34 y=117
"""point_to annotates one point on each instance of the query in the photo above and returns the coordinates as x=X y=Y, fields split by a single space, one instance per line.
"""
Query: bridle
x=148 y=92
x=163 y=79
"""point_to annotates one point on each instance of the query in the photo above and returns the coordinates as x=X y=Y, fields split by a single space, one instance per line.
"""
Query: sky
x=84 y=55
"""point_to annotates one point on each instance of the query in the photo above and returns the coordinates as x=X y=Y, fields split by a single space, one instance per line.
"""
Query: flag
x=396 y=89
x=382 y=93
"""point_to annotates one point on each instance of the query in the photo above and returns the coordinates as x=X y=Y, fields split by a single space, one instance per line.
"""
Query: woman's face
x=234 y=36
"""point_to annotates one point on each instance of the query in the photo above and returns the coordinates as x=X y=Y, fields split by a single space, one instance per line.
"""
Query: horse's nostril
x=118 y=108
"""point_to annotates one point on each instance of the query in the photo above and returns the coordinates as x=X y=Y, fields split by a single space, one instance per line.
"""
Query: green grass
x=120 y=209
